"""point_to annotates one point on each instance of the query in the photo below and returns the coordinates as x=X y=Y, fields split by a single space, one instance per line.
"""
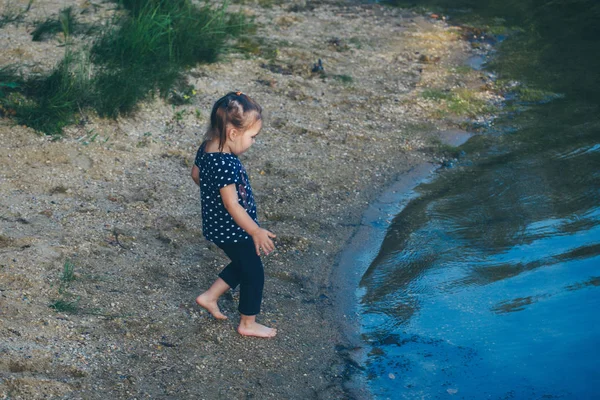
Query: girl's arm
x=261 y=237
x=196 y=174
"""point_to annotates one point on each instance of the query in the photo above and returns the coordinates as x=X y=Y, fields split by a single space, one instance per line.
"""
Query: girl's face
x=242 y=141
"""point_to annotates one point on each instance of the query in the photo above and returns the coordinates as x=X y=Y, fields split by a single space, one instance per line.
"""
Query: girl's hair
x=236 y=109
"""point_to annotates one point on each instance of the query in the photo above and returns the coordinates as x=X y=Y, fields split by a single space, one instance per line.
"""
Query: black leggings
x=246 y=270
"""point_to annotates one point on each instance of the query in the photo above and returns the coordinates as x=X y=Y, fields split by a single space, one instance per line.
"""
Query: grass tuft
x=458 y=102
x=70 y=307
x=12 y=14
x=525 y=93
x=144 y=52
x=45 y=29
x=65 y=23
x=251 y=45
x=152 y=46
x=49 y=103
x=10 y=82
x=68 y=272
x=63 y=305
x=436 y=94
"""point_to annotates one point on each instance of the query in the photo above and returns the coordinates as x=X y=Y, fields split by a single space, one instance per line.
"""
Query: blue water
x=487 y=284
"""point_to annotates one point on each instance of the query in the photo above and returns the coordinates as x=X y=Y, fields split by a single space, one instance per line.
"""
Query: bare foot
x=210 y=306
x=256 y=329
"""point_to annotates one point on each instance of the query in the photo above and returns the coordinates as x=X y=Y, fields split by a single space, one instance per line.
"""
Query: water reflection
x=492 y=265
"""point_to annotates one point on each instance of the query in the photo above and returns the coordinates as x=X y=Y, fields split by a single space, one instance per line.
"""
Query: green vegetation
x=63 y=304
x=153 y=44
x=67 y=302
x=257 y=46
x=68 y=272
x=459 y=102
x=12 y=14
x=463 y=69
x=49 y=103
x=436 y=94
x=70 y=307
x=523 y=92
x=65 y=23
x=90 y=137
x=9 y=81
x=466 y=102
x=178 y=115
x=144 y=52
x=48 y=28
x=181 y=93
x=534 y=95
x=530 y=95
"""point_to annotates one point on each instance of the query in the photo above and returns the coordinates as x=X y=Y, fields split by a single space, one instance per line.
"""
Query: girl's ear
x=232 y=133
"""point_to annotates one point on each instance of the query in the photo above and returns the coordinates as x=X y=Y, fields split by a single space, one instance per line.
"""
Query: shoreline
x=362 y=248
x=120 y=207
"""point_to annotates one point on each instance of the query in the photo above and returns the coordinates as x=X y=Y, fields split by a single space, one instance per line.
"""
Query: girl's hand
x=262 y=241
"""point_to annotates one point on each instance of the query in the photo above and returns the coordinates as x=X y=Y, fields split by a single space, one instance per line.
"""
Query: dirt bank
x=114 y=200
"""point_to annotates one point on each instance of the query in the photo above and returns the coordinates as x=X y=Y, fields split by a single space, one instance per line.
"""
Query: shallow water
x=487 y=285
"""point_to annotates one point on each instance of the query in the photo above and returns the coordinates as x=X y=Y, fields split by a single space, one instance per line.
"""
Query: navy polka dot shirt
x=218 y=170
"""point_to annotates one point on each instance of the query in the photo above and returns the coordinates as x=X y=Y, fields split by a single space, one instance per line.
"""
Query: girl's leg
x=208 y=299
x=231 y=273
x=228 y=279
x=252 y=280
x=246 y=269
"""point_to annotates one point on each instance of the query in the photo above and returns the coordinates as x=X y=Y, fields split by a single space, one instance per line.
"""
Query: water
x=487 y=285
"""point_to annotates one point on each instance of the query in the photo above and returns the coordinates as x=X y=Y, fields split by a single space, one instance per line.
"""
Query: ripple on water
x=580 y=151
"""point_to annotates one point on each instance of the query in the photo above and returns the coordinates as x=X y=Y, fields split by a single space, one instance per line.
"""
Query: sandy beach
x=114 y=200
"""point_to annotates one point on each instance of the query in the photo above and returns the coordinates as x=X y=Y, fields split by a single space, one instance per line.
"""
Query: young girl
x=229 y=211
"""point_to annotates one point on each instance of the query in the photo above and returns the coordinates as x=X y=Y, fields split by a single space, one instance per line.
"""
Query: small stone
x=391 y=376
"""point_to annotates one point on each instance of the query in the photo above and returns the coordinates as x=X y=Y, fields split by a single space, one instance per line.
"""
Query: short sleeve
x=226 y=172
x=199 y=155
